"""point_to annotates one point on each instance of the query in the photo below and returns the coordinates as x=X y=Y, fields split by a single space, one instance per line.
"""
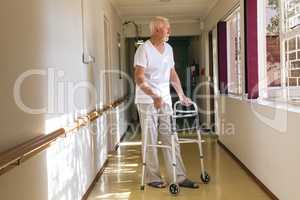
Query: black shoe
x=157 y=184
x=188 y=184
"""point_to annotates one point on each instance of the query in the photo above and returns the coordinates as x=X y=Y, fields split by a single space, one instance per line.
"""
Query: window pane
x=292 y=56
x=273 y=43
x=295 y=64
x=292 y=81
x=295 y=73
x=234 y=54
x=292 y=44
x=292 y=14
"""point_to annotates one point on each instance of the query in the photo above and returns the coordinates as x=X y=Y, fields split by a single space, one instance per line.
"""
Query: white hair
x=157 y=22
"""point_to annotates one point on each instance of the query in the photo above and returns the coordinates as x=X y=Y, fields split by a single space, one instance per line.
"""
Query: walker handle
x=193 y=104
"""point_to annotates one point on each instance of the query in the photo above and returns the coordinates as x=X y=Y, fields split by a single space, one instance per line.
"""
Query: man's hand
x=158 y=102
x=185 y=100
x=177 y=86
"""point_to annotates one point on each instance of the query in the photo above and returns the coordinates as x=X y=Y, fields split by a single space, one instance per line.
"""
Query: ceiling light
x=164 y=0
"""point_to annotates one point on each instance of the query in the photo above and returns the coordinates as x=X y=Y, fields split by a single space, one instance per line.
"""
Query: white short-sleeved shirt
x=157 y=71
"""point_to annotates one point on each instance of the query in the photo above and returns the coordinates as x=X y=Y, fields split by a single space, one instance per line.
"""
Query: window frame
x=284 y=35
x=237 y=12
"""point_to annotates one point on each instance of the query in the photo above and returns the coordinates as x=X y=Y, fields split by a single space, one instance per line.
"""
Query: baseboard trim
x=96 y=179
x=99 y=174
x=261 y=185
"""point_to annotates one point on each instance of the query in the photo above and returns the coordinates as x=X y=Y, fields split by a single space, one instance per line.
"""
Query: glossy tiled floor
x=121 y=178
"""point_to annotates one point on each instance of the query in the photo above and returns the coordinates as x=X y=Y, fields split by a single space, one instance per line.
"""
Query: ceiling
x=173 y=9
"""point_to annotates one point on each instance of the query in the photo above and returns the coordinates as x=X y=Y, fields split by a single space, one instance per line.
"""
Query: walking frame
x=177 y=114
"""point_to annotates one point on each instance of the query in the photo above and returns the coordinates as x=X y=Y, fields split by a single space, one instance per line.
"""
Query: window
x=292 y=13
x=234 y=54
x=291 y=36
x=282 y=59
x=273 y=44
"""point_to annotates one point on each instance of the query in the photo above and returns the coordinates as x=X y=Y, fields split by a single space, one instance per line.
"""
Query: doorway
x=186 y=56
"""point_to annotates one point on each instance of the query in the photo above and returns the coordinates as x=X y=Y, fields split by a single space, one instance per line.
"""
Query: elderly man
x=154 y=71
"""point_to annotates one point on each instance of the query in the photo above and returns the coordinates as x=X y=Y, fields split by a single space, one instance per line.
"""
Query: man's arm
x=175 y=82
x=139 y=77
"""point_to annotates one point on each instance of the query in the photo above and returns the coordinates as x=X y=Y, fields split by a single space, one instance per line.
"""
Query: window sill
x=286 y=106
x=235 y=96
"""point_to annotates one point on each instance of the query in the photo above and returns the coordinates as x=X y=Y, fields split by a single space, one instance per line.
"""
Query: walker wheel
x=174 y=189
x=205 y=178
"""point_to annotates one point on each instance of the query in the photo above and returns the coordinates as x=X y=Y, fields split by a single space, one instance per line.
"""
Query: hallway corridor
x=76 y=75
x=229 y=181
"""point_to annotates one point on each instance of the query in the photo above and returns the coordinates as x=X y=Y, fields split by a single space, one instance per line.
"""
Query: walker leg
x=174 y=187
x=174 y=163
x=144 y=158
x=204 y=176
x=200 y=151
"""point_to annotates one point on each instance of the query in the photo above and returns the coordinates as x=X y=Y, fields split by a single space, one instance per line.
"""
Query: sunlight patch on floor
x=121 y=195
x=131 y=144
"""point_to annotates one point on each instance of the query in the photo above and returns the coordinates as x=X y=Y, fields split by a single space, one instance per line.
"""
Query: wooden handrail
x=20 y=153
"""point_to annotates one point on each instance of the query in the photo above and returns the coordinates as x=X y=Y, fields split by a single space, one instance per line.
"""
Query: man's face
x=164 y=32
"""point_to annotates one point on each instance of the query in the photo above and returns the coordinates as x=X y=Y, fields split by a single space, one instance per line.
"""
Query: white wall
x=97 y=10
x=204 y=63
x=47 y=36
x=263 y=138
